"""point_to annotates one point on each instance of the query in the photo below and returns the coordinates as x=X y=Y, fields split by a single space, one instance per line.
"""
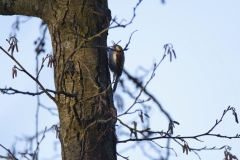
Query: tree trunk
x=87 y=125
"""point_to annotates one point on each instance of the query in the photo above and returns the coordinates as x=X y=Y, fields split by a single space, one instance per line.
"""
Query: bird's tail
x=115 y=84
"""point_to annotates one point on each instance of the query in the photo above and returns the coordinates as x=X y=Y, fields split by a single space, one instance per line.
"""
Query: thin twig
x=25 y=71
x=9 y=152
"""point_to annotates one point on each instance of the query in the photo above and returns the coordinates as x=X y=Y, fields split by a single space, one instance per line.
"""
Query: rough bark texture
x=86 y=124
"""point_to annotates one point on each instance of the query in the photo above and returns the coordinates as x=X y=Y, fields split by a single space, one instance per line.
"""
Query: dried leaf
x=225 y=154
x=13 y=47
x=169 y=52
x=141 y=117
x=15 y=73
x=136 y=136
x=165 y=45
x=148 y=99
x=236 y=118
x=131 y=133
x=49 y=63
x=134 y=124
x=16 y=47
x=188 y=148
x=146 y=115
x=10 y=47
x=30 y=154
x=183 y=148
x=170 y=128
x=174 y=54
x=176 y=122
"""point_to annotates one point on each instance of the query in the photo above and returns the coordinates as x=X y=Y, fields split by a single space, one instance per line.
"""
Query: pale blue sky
x=195 y=88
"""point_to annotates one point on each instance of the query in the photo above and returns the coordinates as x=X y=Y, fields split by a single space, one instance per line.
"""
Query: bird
x=116 y=63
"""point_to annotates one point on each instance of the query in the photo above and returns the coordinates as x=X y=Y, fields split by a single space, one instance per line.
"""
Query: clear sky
x=195 y=88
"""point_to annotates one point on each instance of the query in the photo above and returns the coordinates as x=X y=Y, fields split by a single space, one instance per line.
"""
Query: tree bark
x=87 y=123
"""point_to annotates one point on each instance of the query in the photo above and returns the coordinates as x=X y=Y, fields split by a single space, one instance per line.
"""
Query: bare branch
x=151 y=77
x=12 y=156
x=25 y=71
x=14 y=91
